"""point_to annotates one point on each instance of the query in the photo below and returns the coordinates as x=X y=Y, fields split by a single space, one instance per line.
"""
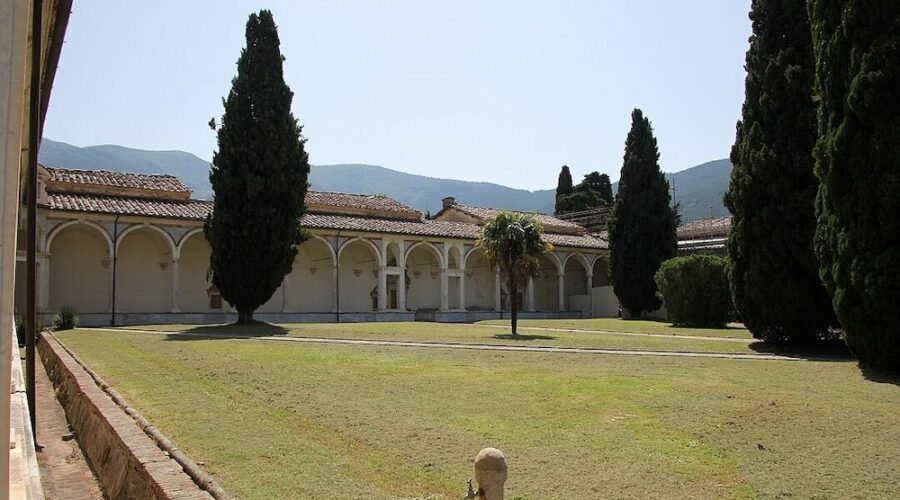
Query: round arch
x=308 y=287
x=580 y=258
x=424 y=266
x=184 y=240
x=437 y=253
x=144 y=270
x=362 y=240
x=166 y=236
x=358 y=266
x=392 y=249
x=80 y=267
x=56 y=230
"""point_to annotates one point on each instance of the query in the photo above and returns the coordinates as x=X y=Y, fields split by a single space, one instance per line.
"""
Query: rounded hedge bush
x=695 y=290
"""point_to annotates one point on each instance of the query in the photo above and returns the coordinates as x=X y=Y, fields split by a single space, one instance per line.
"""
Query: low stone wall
x=127 y=463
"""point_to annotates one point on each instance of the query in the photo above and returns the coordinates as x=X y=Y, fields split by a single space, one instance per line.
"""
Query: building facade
x=126 y=248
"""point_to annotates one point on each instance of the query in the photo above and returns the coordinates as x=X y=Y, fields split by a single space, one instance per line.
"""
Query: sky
x=498 y=91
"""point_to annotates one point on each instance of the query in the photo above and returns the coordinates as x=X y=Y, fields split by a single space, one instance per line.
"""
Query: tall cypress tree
x=563 y=187
x=857 y=44
x=258 y=175
x=774 y=272
x=642 y=223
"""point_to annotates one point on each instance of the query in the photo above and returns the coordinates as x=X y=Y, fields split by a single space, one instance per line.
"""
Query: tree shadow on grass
x=881 y=378
x=509 y=336
x=232 y=331
x=832 y=350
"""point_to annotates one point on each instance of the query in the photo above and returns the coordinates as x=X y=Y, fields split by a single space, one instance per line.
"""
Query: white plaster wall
x=601 y=272
x=480 y=285
x=142 y=284
x=355 y=290
x=605 y=303
x=576 y=283
x=546 y=287
x=78 y=276
x=453 y=292
x=192 y=282
x=424 y=289
x=309 y=284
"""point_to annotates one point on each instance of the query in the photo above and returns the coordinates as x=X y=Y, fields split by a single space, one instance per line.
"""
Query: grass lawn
x=279 y=420
x=734 y=330
x=471 y=334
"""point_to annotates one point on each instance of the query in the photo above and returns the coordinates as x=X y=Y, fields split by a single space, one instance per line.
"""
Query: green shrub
x=695 y=290
x=20 y=329
x=65 y=319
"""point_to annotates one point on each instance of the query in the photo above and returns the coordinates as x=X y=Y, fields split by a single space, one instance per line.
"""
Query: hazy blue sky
x=500 y=91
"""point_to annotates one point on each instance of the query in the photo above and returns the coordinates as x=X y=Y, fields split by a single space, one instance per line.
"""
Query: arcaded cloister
x=126 y=248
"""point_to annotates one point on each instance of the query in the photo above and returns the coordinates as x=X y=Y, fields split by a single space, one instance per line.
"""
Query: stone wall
x=127 y=463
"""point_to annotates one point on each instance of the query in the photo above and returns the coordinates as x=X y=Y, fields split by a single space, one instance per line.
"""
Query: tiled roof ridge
x=530 y=212
x=113 y=172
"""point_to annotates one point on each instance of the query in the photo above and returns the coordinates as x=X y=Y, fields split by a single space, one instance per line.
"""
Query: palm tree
x=514 y=245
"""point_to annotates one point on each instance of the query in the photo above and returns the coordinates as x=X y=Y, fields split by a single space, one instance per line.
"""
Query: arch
x=581 y=258
x=480 y=281
x=144 y=270
x=193 y=275
x=601 y=272
x=328 y=245
x=437 y=253
x=80 y=267
x=423 y=277
x=363 y=240
x=546 y=284
x=55 y=231
x=308 y=286
x=553 y=257
x=135 y=227
x=469 y=254
x=358 y=275
x=454 y=256
x=575 y=282
x=184 y=240
x=392 y=249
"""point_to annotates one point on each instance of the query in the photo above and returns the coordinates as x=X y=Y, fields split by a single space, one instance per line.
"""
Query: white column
x=382 y=289
x=590 y=294
x=529 y=294
x=175 y=279
x=401 y=290
x=334 y=289
x=284 y=294
x=445 y=293
x=462 y=291
x=562 y=292
x=498 y=296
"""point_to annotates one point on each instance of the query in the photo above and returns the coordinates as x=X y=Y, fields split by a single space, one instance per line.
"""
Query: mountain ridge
x=696 y=188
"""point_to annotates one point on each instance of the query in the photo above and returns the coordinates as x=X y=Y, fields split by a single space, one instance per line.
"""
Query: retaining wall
x=127 y=463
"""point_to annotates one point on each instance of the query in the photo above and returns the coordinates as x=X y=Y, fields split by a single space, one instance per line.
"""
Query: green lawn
x=286 y=420
x=734 y=330
x=472 y=334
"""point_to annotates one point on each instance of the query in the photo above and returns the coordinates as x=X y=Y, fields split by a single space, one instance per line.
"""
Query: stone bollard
x=490 y=473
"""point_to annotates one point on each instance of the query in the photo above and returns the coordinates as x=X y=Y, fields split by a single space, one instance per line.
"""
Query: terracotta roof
x=548 y=221
x=709 y=228
x=359 y=204
x=170 y=209
x=148 y=182
x=198 y=210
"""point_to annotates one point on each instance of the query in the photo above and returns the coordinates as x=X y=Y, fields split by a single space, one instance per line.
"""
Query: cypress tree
x=563 y=188
x=259 y=177
x=642 y=223
x=774 y=272
x=857 y=45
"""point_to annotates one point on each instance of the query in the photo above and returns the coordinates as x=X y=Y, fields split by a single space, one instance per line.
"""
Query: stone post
x=462 y=291
x=334 y=289
x=490 y=473
x=445 y=294
x=175 y=280
x=401 y=289
x=382 y=289
x=562 y=292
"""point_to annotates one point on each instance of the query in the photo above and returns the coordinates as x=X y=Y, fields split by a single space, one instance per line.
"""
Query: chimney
x=448 y=202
